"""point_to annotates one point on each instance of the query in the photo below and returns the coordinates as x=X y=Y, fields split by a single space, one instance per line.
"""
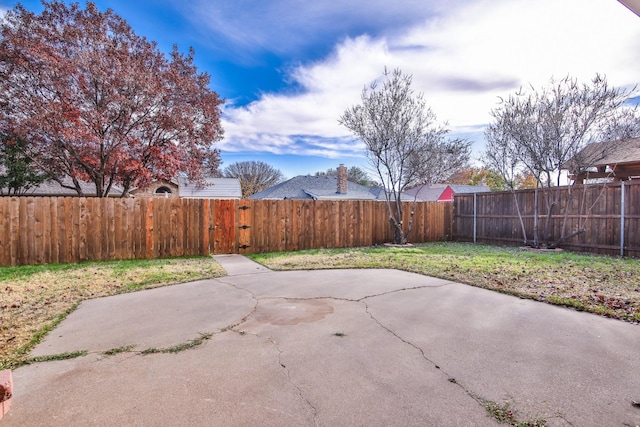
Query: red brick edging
x=6 y=391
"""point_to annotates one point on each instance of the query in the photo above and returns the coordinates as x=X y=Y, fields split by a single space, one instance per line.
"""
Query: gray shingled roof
x=469 y=188
x=53 y=189
x=380 y=195
x=426 y=193
x=213 y=188
x=314 y=188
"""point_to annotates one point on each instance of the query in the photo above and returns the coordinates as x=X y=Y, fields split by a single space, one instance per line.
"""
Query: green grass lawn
x=34 y=299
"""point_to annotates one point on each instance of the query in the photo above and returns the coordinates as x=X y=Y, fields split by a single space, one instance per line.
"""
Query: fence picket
x=595 y=207
x=71 y=229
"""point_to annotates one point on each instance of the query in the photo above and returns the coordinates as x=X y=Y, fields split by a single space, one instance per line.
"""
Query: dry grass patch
x=608 y=286
x=33 y=299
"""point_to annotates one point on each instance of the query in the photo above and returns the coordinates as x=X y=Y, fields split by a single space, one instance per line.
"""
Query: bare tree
x=405 y=144
x=623 y=125
x=541 y=131
x=254 y=176
x=354 y=174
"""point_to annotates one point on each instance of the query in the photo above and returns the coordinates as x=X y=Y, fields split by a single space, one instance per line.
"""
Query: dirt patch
x=292 y=311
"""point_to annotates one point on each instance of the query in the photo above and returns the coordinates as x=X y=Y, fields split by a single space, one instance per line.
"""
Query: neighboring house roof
x=380 y=195
x=426 y=193
x=617 y=159
x=469 y=188
x=611 y=152
x=211 y=188
x=314 y=188
x=320 y=188
x=53 y=189
x=434 y=192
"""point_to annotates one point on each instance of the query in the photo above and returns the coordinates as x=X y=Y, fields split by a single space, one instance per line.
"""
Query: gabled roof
x=212 y=188
x=380 y=195
x=426 y=193
x=609 y=159
x=432 y=193
x=469 y=188
x=53 y=189
x=314 y=188
x=611 y=153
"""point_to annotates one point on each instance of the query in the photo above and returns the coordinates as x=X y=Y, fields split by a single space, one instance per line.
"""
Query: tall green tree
x=18 y=172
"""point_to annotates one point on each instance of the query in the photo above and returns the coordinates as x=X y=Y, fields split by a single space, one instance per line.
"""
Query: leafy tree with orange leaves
x=478 y=176
x=98 y=103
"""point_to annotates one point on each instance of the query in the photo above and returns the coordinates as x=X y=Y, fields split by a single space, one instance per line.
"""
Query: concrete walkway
x=328 y=348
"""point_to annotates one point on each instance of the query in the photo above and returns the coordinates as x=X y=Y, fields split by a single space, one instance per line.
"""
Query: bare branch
x=405 y=144
x=541 y=131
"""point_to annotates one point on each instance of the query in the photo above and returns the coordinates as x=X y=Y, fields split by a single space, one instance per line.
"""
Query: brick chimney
x=342 y=179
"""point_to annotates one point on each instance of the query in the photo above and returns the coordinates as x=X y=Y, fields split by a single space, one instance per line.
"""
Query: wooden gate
x=222 y=230
x=245 y=226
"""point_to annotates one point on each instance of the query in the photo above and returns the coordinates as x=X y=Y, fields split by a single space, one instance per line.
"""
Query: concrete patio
x=327 y=348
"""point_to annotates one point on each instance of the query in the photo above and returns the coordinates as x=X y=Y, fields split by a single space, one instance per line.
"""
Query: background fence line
x=610 y=213
x=37 y=230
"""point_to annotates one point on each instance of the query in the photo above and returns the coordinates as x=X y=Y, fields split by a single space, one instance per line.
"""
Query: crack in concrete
x=349 y=299
x=481 y=401
x=564 y=418
x=234 y=327
x=409 y=343
x=402 y=290
x=246 y=317
x=314 y=410
x=358 y=300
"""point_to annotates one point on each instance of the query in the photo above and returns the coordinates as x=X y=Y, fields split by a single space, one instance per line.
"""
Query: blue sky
x=289 y=68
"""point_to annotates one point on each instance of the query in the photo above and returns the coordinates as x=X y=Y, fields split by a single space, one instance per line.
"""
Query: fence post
x=475 y=216
x=622 y=218
x=535 y=217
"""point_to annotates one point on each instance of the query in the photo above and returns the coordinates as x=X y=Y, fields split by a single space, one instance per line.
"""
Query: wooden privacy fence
x=35 y=230
x=609 y=213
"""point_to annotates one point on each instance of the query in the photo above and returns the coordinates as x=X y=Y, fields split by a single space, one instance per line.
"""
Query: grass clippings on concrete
x=34 y=299
x=608 y=286
x=180 y=347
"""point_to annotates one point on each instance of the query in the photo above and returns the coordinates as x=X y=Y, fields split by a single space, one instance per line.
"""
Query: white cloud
x=285 y=25
x=514 y=43
x=463 y=61
x=328 y=88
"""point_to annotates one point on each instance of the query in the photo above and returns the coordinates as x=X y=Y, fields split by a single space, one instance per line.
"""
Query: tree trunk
x=522 y=227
